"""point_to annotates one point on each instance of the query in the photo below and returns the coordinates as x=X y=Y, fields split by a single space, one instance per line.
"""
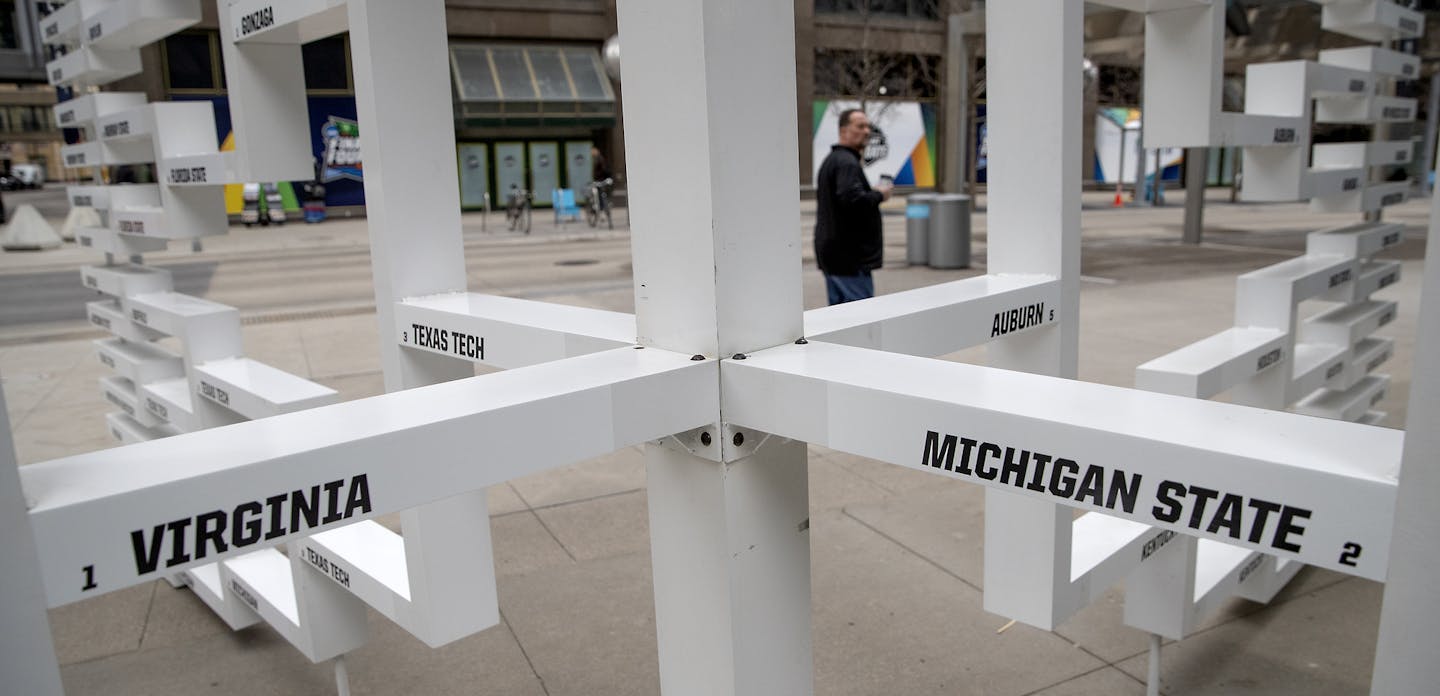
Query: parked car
x=28 y=175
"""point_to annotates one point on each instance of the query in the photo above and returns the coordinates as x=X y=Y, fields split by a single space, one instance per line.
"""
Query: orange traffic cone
x=1119 y=201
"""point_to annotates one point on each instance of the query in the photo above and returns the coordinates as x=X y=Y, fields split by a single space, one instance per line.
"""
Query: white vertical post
x=1405 y=654
x=412 y=201
x=412 y=194
x=268 y=111
x=717 y=272
x=27 y=653
x=1034 y=226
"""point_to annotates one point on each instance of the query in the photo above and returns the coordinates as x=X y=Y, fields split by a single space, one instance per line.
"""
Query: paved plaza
x=896 y=553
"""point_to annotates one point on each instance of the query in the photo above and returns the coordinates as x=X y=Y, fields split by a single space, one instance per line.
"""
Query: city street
x=896 y=554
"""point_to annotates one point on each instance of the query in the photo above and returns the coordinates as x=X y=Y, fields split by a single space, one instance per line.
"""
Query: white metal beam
x=143 y=511
x=1282 y=483
x=939 y=319
x=27 y=655
x=506 y=332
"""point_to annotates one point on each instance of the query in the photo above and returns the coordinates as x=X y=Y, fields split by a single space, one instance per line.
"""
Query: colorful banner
x=902 y=141
x=325 y=113
x=1117 y=133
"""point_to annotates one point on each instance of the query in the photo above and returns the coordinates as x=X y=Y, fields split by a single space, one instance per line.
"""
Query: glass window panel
x=550 y=74
x=325 y=64
x=476 y=81
x=187 y=57
x=8 y=37
x=514 y=76
x=586 y=72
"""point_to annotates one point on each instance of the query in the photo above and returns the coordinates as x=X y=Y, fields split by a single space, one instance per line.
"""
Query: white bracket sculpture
x=720 y=345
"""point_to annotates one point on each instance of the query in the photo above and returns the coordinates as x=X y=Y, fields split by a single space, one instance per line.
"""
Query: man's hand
x=885 y=189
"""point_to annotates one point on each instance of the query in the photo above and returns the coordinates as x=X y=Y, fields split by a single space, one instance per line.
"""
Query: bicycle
x=517 y=209
x=599 y=203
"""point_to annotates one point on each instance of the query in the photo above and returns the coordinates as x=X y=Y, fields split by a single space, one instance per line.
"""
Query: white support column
x=717 y=272
x=412 y=196
x=27 y=655
x=268 y=110
x=412 y=200
x=1405 y=654
x=1034 y=229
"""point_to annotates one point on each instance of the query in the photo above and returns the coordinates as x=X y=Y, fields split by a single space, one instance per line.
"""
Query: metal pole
x=729 y=530
x=1196 y=166
x=1405 y=653
x=1035 y=87
x=957 y=105
x=1152 y=677
x=1432 y=125
x=27 y=654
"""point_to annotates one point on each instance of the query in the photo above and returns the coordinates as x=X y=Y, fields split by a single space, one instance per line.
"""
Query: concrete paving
x=896 y=554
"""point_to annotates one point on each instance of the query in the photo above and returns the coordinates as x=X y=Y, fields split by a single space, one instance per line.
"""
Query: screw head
x=697 y=356
x=739 y=356
x=739 y=439
x=802 y=342
x=705 y=439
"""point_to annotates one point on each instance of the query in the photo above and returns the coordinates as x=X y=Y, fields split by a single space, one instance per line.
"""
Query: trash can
x=950 y=231
x=917 y=228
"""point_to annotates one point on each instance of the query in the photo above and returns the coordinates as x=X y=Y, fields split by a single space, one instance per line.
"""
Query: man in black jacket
x=848 y=243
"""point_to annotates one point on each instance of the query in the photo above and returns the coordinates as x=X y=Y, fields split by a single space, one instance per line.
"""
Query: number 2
x=1349 y=553
x=89 y=578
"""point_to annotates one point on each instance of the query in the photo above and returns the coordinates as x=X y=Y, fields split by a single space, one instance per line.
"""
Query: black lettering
x=1040 y=461
x=1166 y=495
x=96 y=31
x=1268 y=359
x=1284 y=135
x=147 y=551
x=1203 y=496
x=1250 y=567
x=1012 y=466
x=1357 y=85
x=359 y=497
x=966 y=446
x=177 y=543
x=938 y=454
x=1334 y=370
x=1228 y=515
x=1156 y=544
x=309 y=508
x=245 y=532
x=1126 y=487
x=332 y=491
x=1393 y=198
x=1388 y=280
x=1062 y=478
x=1288 y=527
x=987 y=450
x=1350 y=184
x=1263 y=508
x=1092 y=486
x=1341 y=277
x=277 y=523
x=210 y=527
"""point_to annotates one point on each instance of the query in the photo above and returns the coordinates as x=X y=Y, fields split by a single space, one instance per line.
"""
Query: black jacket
x=847 y=216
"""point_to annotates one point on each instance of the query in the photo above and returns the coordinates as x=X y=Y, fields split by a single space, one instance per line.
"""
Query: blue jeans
x=842 y=289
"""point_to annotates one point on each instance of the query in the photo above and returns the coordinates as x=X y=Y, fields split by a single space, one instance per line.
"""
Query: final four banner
x=902 y=143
